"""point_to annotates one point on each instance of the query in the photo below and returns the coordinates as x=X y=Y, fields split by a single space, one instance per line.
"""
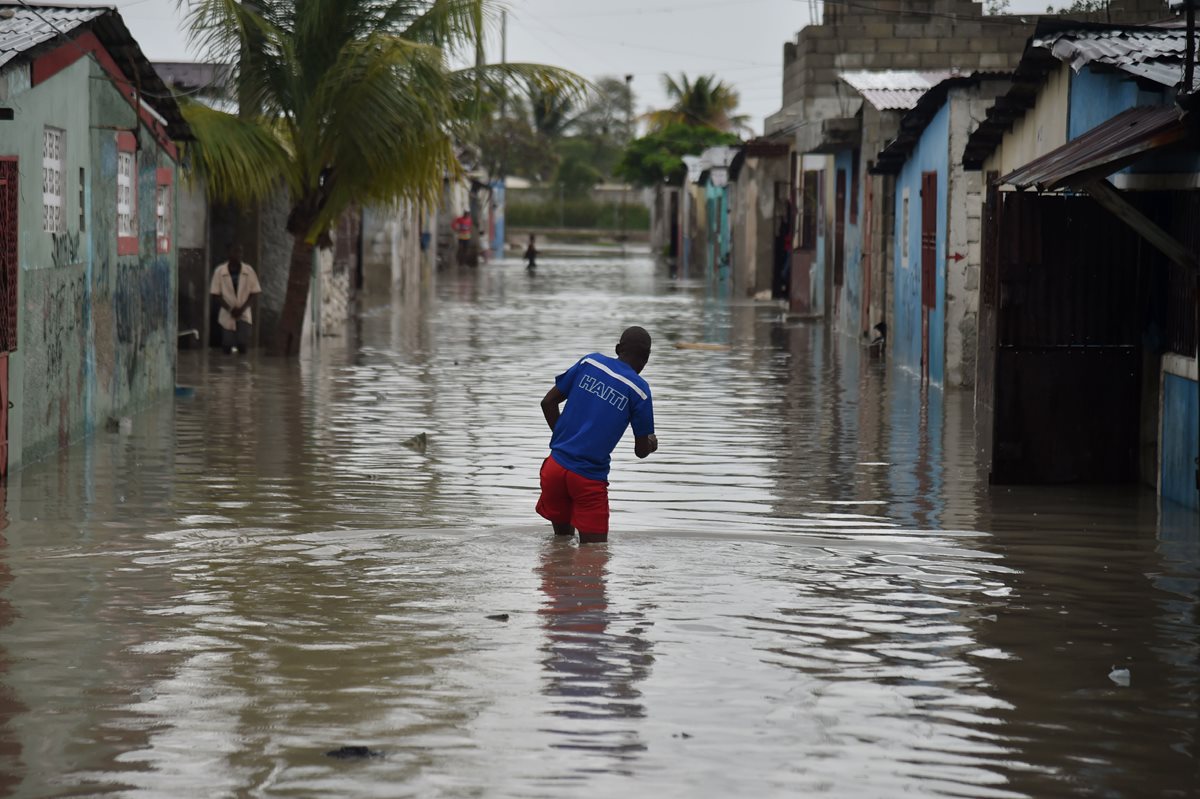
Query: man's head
x=234 y=253
x=634 y=347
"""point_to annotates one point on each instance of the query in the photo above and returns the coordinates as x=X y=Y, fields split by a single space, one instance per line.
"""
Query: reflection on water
x=591 y=667
x=809 y=588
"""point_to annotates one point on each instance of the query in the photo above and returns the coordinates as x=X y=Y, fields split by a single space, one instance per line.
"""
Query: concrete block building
x=936 y=223
x=1088 y=305
x=88 y=188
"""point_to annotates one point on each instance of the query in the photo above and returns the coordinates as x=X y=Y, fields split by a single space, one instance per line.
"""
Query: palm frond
x=240 y=160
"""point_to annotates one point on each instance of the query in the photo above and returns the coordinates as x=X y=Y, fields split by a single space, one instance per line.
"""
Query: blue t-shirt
x=604 y=396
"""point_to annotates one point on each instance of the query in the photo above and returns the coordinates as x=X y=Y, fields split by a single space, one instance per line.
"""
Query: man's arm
x=644 y=445
x=550 y=404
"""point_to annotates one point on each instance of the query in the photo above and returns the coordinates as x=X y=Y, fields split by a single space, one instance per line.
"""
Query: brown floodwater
x=810 y=589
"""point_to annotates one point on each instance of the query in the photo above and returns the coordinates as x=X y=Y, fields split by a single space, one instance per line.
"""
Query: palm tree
x=706 y=102
x=342 y=101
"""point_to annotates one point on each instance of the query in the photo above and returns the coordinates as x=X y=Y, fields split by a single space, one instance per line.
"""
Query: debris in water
x=419 y=442
x=1119 y=676
x=699 y=345
x=681 y=735
x=499 y=617
x=353 y=753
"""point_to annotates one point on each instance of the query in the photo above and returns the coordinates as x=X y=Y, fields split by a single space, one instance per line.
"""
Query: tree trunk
x=291 y=319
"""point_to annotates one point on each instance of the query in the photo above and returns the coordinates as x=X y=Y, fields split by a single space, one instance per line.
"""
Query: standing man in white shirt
x=235 y=286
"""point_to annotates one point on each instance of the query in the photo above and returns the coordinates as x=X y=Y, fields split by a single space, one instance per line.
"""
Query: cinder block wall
x=913 y=34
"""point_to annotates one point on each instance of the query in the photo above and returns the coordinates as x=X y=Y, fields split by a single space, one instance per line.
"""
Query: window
x=126 y=194
x=82 y=201
x=162 y=211
x=904 y=229
x=54 y=217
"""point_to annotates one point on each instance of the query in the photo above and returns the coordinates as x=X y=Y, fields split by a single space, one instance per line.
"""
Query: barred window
x=54 y=156
x=162 y=217
x=126 y=218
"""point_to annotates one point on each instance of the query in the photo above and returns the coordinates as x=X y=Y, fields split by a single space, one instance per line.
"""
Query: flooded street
x=809 y=589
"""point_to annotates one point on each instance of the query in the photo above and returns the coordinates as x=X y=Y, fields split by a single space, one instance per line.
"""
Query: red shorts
x=569 y=498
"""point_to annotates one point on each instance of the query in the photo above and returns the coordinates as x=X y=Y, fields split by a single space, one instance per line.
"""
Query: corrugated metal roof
x=25 y=27
x=893 y=89
x=1103 y=150
x=1153 y=54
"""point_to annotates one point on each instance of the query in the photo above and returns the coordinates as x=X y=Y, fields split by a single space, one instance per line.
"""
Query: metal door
x=1067 y=371
x=929 y=209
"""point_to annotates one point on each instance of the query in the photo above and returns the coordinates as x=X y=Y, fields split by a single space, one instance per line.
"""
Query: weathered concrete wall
x=894 y=34
x=96 y=331
x=847 y=298
x=192 y=247
x=1040 y=130
x=274 y=260
x=754 y=223
x=392 y=256
x=660 y=218
x=965 y=234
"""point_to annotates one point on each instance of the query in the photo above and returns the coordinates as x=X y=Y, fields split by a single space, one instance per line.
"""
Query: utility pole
x=628 y=138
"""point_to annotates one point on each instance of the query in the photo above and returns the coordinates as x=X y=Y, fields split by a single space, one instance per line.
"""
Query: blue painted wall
x=1097 y=97
x=1180 y=411
x=932 y=154
x=720 y=253
x=498 y=205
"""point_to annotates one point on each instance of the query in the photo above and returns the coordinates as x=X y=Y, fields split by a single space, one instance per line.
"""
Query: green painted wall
x=96 y=331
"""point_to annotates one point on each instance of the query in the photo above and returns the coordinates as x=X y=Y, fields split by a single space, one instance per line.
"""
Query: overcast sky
x=740 y=41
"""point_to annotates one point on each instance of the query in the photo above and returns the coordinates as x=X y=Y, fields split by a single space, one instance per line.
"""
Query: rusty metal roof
x=1103 y=150
x=892 y=89
x=1151 y=53
x=25 y=27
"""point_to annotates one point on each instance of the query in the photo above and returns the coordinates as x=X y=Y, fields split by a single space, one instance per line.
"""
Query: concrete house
x=761 y=218
x=935 y=222
x=851 y=258
x=824 y=115
x=88 y=187
x=707 y=237
x=1087 y=317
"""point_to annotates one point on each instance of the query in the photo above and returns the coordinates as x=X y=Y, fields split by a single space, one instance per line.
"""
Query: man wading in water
x=604 y=396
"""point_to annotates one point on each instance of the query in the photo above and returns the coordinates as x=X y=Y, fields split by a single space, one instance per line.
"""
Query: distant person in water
x=235 y=288
x=462 y=226
x=604 y=396
x=531 y=253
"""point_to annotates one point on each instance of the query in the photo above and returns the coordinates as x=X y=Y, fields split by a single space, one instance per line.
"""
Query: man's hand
x=644 y=445
x=550 y=404
x=236 y=311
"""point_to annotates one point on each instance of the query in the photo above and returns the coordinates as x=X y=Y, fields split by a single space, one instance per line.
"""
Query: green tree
x=706 y=102
x=342 y=101
x=1076 y=7
x=551 y=111
x=607 y=114
x=657 y=157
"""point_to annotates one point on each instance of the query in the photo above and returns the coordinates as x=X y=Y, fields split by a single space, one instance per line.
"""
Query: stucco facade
x=96 y=311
